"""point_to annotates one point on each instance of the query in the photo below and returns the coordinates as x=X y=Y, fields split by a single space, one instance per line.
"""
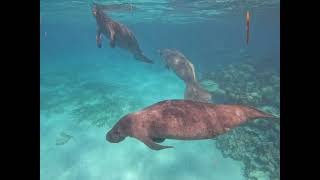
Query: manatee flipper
x=98 y=38
x=112 y=43
x=112 y=38
x=151 y=144
x=158 y=140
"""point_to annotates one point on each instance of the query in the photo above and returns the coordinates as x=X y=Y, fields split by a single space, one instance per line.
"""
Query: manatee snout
x=115 y=136
x=94 y=10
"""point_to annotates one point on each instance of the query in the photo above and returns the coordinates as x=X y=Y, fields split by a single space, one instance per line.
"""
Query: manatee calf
x=118 y=34
x=181 y=120
x=184 y=69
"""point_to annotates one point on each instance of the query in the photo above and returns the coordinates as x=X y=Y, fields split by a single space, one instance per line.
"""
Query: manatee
x=124 y=7
x=184 y=69
x=118 y=34
x=181 y=120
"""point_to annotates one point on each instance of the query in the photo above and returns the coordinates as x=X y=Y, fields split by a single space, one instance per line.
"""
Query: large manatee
x=181 y=120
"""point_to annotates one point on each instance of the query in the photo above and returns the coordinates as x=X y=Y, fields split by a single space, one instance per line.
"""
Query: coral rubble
x=245 y=84
x=257 y=143
x=96 y=102
x=105 y=111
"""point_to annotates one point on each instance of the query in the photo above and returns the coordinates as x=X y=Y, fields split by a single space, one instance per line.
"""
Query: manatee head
x=164 y=52
x=166 y=55
x=120 y=131
x=96 y=10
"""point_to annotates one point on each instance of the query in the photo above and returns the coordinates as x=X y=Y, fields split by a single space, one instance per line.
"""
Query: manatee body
x=181 y=65
x=184 y=69
x=181 y=120
x=118 y=34
x=124 y=7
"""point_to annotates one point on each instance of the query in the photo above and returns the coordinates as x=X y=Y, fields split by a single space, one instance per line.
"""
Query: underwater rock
x=258 y=175
x=269 y=94
x=257 y=145
x=267 y=89
x=244 y=83
x=247 y=68
x=272 y=110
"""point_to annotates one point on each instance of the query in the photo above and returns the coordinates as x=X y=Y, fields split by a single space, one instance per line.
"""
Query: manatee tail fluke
x=194 y=92
x=143 y=58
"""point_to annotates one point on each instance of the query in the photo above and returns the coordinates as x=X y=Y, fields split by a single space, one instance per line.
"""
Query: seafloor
x=85 y=101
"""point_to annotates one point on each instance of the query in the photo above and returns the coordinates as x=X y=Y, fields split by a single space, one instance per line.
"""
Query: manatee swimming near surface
x=116 y=7
x=181 y=120
x=184 y=69
x=118 y=34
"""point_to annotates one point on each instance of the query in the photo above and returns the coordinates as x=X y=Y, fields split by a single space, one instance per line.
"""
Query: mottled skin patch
x=184 y=69
x=118 y=34
x=181 y=65
x=181 y=120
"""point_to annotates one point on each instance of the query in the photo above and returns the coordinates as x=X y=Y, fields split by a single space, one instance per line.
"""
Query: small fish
x=248 y=26
x=45 y=34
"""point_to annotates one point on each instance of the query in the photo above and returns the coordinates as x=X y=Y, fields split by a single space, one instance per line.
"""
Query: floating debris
x=63 y=139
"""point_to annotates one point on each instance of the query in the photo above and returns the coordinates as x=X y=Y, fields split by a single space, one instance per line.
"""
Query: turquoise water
x=85 y=90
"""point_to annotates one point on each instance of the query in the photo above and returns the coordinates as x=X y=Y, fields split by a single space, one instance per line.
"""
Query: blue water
x=108 y=83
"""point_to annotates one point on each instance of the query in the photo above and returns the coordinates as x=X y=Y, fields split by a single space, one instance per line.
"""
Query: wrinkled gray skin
x=185 y=70
x=181 y=120
x=118 y=34
x=176 y=61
